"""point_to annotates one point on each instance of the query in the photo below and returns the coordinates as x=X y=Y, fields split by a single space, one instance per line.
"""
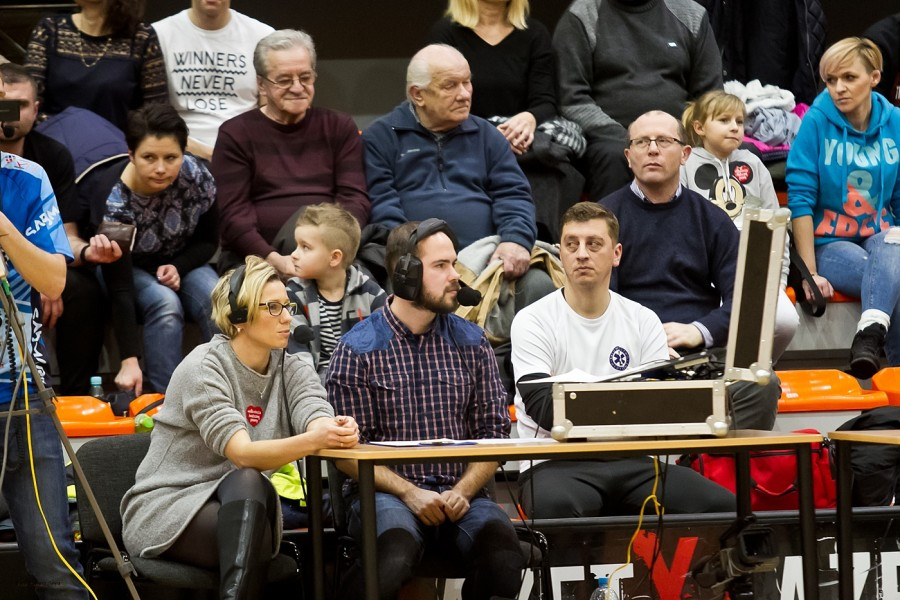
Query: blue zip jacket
x=468 y=177
x=843 y=178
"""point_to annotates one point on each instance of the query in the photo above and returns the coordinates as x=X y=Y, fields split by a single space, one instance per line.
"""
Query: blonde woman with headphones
x=232 y=413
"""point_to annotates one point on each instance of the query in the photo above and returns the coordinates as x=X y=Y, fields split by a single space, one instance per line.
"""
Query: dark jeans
x=54 y=581
x=483 y=538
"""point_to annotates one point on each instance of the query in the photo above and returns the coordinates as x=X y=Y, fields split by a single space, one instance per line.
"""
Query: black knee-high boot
x=243 y=561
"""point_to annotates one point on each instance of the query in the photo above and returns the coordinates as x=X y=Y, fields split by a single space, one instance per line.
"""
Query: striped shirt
x=402 y=386
x=330 y=328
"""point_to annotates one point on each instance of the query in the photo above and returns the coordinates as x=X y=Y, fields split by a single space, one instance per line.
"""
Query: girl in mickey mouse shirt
x=733 y=179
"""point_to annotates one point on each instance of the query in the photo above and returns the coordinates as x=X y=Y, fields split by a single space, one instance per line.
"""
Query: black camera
x=745 y=548
x=9 y=110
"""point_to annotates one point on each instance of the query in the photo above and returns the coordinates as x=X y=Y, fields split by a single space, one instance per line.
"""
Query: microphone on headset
x=303 y=334
x=466 y=296
x=8 y=130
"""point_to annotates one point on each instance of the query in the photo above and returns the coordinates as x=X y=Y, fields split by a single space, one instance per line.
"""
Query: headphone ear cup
x=407 y=278
x=238 y=314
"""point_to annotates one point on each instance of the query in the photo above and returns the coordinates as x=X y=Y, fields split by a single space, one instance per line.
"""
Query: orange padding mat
x=838 y=297
x=825 y=389
x=887 y=380
x=86 y=416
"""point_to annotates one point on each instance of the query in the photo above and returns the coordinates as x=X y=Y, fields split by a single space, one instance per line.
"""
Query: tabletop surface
x=531 y=448
x=872 y=436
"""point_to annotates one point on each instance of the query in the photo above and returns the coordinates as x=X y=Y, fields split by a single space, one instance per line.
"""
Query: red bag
x=773 y=476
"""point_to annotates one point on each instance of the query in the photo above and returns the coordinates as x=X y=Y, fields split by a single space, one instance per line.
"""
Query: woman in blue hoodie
x=844 y=195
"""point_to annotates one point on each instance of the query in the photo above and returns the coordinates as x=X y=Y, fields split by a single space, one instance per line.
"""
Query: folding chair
x=110 y=464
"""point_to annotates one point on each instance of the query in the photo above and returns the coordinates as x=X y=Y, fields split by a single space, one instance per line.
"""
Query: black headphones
x=238 y=314
x=407 y=277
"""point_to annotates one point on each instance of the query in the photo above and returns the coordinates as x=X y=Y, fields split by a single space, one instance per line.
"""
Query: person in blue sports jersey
x=34 y=244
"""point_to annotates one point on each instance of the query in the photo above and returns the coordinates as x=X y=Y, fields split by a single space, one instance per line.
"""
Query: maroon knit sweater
x=265 y=171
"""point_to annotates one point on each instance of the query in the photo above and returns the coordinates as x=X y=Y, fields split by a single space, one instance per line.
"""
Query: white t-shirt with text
x=210 y=73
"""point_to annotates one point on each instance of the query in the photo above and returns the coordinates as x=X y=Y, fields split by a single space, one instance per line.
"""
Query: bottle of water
x=97 y=388
x=603 y=592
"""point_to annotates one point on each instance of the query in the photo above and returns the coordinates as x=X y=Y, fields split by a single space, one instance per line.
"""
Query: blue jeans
x=869 y=271
x=163 y=311
x=53 y=579
x=483 y=538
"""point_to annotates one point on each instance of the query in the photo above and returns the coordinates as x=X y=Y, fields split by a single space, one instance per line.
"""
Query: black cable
x=287 y=406
x=11 y=351
x=528 y=526
x=471 y=374
x=14 y=388
x=660 y=523
x=660 y=527
x=12 y=406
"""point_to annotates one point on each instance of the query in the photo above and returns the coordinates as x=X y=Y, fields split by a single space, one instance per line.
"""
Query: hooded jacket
x=843 y=178
x=362 y=297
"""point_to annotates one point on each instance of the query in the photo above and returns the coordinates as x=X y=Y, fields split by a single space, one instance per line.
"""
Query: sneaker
x=866 y=350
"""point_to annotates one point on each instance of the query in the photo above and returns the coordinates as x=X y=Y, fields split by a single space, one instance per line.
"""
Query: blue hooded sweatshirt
x=843 y=178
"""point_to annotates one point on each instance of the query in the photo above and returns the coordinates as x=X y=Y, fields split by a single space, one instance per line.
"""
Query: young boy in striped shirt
x=331 y=293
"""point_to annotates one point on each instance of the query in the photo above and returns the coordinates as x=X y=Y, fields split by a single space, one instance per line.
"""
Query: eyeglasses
x=283 y=83
x=276 y=308
x=662 y=142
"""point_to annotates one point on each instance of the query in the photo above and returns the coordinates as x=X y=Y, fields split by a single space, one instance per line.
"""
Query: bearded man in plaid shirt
x=415 y=371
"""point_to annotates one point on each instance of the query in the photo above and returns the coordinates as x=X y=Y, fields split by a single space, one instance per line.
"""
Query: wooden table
x=843 y=442
x=738 y=442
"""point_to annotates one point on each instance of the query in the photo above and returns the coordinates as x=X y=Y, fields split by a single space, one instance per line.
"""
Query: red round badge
x=742 y=173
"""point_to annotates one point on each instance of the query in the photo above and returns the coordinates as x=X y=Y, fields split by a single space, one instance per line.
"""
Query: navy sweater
x=678 y=258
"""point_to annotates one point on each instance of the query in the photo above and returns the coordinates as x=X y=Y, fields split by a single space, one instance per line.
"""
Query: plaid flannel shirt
x=402 y=386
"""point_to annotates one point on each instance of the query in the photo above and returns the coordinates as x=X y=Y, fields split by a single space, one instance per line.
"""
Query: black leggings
x=198 y=543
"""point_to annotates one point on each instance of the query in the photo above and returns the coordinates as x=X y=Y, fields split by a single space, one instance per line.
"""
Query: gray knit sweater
x=208 y=400
x=617 y=60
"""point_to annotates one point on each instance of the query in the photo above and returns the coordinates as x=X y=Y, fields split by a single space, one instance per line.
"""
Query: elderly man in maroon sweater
x=271 y=162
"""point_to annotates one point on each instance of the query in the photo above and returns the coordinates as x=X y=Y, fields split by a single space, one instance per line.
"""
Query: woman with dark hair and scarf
x=169 y=197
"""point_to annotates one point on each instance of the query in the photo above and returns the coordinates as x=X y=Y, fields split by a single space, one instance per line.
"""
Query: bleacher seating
x=823 y=399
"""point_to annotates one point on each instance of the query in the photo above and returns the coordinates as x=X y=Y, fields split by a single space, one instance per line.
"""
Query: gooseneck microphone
x=303 y=334
x=467 y=296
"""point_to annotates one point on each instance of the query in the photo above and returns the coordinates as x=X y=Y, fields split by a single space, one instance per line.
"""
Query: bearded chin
x=437 y=305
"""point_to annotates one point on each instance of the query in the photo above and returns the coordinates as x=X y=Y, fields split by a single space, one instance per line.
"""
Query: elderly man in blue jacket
x=430 y=158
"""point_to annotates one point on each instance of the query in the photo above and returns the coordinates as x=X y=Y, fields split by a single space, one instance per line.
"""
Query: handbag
x=773 y=476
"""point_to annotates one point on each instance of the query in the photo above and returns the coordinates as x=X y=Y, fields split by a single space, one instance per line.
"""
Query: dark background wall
x=363 y=46
x=396 y=28
x=388 y=28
